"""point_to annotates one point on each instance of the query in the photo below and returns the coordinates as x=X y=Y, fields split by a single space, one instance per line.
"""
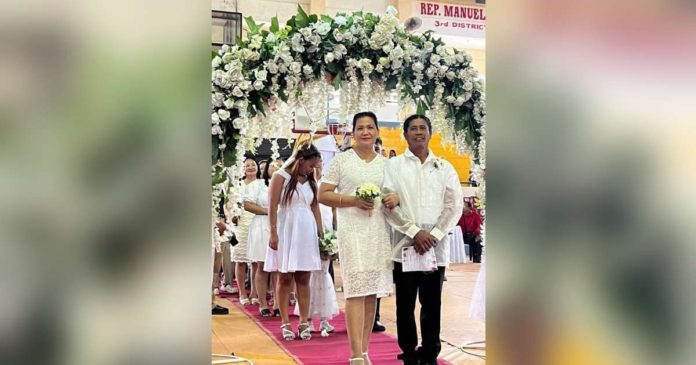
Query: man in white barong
x=430 y=206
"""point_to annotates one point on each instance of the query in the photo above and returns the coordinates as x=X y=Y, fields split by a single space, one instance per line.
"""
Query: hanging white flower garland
x=259 y=83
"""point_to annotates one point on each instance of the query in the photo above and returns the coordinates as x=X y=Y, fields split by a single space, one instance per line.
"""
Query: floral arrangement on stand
x=258 y=83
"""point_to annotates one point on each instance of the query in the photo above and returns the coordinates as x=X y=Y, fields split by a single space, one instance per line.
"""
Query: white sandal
x=303 y=331
x=244 y=301
x=325 y=325
x=357 y=361
x=366 y=358
x=255 y=301
x=288 y=334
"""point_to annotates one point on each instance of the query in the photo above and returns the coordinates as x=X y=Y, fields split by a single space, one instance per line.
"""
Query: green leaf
x=301 y=19
x=337 y=80
x=333 y=68
x=219 y=176
x=422 y=106
x=291 y=22
x=253 y=28
x=230 y=156
x=391 y=82
x=326 y=18
x=215 y=54
x=274 y=25
x=313 y=18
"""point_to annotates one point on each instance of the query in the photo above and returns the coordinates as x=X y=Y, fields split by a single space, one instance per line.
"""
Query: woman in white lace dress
x=295 y=226
x=363 y=233
x=240 y=252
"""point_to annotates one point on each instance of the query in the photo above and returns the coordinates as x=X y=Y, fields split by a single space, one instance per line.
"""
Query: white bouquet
x=368 y=191
x=328 y=243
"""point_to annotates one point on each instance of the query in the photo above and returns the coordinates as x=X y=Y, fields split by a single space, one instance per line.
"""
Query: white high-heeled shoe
x=366 y=358
x=286 y=331
x=357 y=361
x=325 y=325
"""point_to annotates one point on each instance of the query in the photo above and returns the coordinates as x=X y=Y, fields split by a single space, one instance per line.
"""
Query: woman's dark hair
x=413 y=117
x=258 y=171
x=392 y=153
x=362 y=115
x=306 y=151
x=265 y=175
x=468 y=204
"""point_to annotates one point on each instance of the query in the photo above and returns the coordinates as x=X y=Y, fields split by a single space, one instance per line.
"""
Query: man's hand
x=390 y=200
x=423 y=241
x=273 y=241
x=478 y=238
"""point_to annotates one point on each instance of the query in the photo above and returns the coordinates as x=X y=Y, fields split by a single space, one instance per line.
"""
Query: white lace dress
x=298 y=244
x=259 y=230
x=364 y=247
x=240 y=252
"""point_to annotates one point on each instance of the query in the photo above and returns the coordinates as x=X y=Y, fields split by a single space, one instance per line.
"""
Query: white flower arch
x=257 y=83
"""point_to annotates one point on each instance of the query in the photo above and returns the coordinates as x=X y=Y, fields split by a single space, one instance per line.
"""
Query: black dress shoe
x=276 y=312
x=378 y=327
x=408 y=359
x=217 y=310
x=266 y=312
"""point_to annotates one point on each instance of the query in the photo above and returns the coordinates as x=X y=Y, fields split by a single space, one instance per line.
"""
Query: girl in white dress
x=256 y=202
x=363 y=238
x=323 y=304
x=295 y=225
x=240 y=252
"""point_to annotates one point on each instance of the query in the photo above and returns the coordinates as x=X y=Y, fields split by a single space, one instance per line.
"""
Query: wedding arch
x=258 y=83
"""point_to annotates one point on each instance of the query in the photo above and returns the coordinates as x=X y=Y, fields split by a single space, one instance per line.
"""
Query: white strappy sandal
x=366 y=358
x=304 y=331
x=287 y=333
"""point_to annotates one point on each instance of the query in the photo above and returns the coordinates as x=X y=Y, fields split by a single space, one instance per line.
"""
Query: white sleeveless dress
x=298 y=244
x=259 y=230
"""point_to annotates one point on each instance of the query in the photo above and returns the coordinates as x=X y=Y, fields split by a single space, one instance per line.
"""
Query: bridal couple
x=421 y=202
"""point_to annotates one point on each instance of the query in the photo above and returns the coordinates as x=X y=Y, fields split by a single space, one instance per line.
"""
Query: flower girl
x=323 y=304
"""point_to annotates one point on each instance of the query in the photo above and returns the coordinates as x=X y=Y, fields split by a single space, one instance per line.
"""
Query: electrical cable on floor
x=464 y=348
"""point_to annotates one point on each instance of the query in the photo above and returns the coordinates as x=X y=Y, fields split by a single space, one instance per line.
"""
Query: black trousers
x=475 y=248
x=428 y=288
x=377 y=309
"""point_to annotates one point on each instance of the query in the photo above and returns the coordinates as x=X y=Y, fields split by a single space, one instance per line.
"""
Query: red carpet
x=324 y=350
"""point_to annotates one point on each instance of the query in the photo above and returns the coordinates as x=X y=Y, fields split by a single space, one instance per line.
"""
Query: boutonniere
x=438 y=163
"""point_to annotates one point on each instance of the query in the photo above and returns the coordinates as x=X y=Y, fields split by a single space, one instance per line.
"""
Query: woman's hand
x=273 y=241
x=363 y=204
x=391 y=200
x=221 y=227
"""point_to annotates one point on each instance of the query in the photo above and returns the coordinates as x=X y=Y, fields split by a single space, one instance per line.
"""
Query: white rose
x=238 y=123
x=296 y=67
x=306 y=32
x=271 y=38
x=245 y=85
x=258 y=85
x=396 y=64
x=340 y=20
x=225 y=48
x=237 y=92
x=329 y=57
x=223 y=114
x=261 y=74
x=468 y=58
x=383 y=61
x=215 y=118
x=379 y=68
x=322 y=27
x=217 y=61
x=307 y=70
x=431 y=72
x=315 y=40
x=227 y=57
x=450 y=99
x=241 y=104
x=229 y=103
x=460 y=100
x=338 y=35
x=468 y=85
x=216 y=130
x=272 y=68
x=388 y=47
x=428 y=46
x=459 y=57
x=217 y=99
x=397 y=52
x=434 y=58
x=418 y=67
x=451 y=75
x=337 y=54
